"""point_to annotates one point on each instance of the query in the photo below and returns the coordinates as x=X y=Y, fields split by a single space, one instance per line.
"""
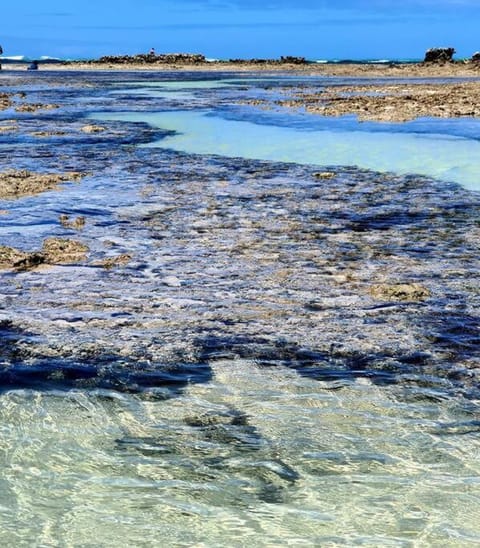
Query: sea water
x=252 y=455
x=437 y=148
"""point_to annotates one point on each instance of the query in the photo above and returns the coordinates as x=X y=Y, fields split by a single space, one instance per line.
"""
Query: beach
x=228 y=291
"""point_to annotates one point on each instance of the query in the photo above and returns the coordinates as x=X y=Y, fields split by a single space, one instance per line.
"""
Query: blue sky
x=317 y=29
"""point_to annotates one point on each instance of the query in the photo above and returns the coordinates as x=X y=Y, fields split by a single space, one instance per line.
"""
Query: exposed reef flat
x=335 y=272
x=388 y=103
x=374 y=70
x=18 y=183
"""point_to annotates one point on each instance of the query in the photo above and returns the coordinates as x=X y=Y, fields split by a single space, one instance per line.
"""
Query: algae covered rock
x=18 y=183
x=62 y=251
x=54 y=251
x=92 y=128
x=400 y=292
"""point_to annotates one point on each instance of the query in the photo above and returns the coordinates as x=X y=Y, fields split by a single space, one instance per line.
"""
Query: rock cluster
x=152 y=58
x=289 y=59
x=18 y=183
x=337 y=273
x=439 y=55
x=476 y=57
x=5 y=101
x=54 y=251
x=190 y=58
x=33 y=107
x=284 y=60
x=387 y=103
x=400 y=292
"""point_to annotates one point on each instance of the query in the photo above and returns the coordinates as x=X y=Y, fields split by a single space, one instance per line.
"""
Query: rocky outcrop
x=5 y=101
x=18 y=183
x=255 y=61
x=476 y=57
x=54 y=251
x=288 y=59
x=291 y=60
x=439 y=55
x=152 y=58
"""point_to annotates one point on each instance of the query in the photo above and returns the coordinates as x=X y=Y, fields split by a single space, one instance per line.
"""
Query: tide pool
x=446 y=157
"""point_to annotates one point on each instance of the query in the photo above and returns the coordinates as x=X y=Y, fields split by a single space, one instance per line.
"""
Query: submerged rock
x=33 y=107
x=77 y=224
x=5 y=101
x=48 y=133
x=8 y=126
x=117 y=260
x=324 y=175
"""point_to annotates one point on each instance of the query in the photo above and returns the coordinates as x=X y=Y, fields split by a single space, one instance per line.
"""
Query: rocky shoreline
x=385 y=103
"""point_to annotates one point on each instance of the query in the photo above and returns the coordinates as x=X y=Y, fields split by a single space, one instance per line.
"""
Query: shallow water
x=438 y=148
x=236 y=383
x=446 y=157
x=312 y=467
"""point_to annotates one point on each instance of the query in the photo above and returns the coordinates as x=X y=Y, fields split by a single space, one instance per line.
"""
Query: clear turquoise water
x=443 y=157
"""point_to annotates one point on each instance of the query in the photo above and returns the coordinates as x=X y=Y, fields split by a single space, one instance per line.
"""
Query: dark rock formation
x=189 y=58
x=293 y=60
x=252 y=61
x=439 y=55
x=152 y=58
x=288 y=59
x=476 y=57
